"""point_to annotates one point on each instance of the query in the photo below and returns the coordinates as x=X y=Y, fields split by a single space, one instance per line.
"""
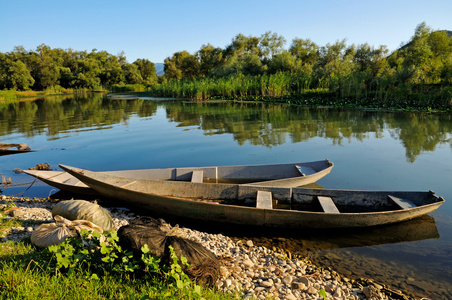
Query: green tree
x=181 y=65
x=46 y=69
x=271 y=44
x=132 y=74
x=88 y=73
x=242 y=45
x=305 y=50
x=283 y=62
x=19 y=76
x=110 y=67
x=210 y=58
x=147 y=71
x=252 y=65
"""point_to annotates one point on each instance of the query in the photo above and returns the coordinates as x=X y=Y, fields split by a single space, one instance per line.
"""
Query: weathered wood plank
x=304 y=170
x=264 y=200
x=402 y=203
x=328 y=205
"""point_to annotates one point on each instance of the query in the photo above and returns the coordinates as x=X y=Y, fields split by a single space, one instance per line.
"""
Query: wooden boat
x=262 y=206
x=281 y=175
x=8 y=148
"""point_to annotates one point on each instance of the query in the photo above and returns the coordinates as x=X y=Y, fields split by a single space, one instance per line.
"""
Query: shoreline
x=256 y=271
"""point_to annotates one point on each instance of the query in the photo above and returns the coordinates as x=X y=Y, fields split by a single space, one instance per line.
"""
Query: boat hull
x=176 y=200
x=280 y=175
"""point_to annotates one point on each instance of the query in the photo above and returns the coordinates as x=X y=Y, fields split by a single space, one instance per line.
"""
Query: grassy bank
x=94 y=270
x=24 y=275
x=13 y=95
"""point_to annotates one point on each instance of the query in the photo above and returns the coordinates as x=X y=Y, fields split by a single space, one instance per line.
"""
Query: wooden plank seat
x=264 y=200
x=328 y=205
x=197 y=176
x=304 y=171
x=402 y=203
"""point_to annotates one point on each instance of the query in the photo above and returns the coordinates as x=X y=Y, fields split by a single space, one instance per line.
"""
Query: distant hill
x=159 y=68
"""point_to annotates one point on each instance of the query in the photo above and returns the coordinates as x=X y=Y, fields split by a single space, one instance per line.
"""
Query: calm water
x=371 y=150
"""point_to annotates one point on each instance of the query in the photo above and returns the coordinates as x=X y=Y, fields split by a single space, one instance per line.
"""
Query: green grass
x=24 y=274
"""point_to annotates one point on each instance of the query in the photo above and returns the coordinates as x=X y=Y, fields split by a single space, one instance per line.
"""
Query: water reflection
x=55 y=115
x=257 y=124
x=301 y=242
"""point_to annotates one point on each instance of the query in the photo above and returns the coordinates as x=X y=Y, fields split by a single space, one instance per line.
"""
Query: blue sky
x=155 y=30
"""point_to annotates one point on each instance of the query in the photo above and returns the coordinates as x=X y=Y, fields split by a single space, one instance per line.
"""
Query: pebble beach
x=255 y=272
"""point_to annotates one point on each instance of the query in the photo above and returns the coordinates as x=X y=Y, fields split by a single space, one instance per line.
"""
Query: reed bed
x=356 y=89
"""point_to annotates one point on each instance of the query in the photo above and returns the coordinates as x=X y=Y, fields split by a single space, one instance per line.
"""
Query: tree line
x=261 y=66
x=45 y=68
x=256 y=66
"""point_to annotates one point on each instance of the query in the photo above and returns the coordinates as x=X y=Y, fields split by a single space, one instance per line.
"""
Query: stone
x=338 y=293
x=224 y=271
x=266 y=284
x=249 y=273
x=304 y=280
x=290 y=297
x=247 y=263
x=227 y=282
x=287 y=279
x=16 y=213
x=370 y=291
x=312 y=290
x=298 y=286
x=249 y=243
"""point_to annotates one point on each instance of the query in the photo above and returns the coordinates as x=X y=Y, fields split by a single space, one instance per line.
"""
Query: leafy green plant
x=94 y=250
x=101 y=254
x=322 y=293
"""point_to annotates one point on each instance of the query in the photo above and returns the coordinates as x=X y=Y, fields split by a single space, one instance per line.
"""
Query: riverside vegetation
x=101 y=269
x=418 y=75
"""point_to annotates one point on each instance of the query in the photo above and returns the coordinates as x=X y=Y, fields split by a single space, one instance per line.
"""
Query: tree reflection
x=266 y=125
x=271 y=125
x=55 y=115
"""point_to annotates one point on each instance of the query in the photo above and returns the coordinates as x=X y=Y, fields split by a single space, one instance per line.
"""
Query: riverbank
x=12 y=95
x=252 y=271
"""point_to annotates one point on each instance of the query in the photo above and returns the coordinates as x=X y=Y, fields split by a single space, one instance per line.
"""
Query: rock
x=298 y=286
x=312 y=290
x=287 y=279
x=370 y=291
x=266 y=284
x=249 y=243
x=304 y=280
x=227 y=282
x=290 y=297
x=338 y=293
x=16 y=213
x=249 y=273
x=247 y=263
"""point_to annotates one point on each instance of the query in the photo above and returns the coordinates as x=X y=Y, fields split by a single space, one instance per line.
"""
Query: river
x=371 y=150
